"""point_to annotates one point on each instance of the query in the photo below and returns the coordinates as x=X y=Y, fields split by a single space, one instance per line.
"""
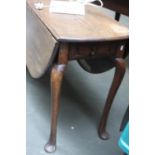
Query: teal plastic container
x=124 y=140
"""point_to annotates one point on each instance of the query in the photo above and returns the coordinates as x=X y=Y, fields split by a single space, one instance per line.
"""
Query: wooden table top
x=94 y=26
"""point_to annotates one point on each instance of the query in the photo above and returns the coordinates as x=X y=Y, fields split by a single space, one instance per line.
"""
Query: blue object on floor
x=124 y=140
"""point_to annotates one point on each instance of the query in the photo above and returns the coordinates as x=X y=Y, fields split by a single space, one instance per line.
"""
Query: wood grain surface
x=57 y=38
x=94 y=26
x=40 y=45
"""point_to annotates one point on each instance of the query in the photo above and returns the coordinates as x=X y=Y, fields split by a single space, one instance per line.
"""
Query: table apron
x=96 y=50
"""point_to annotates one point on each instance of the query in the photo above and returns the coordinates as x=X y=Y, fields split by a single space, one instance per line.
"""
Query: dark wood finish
x=54 y=39
x=96 y=50
x=118 y=77
x=44 y=32
x=57 y=74
x=94 y=26
x=119 y=6
x=40 y=41
x=117 y=16
x=100 y=62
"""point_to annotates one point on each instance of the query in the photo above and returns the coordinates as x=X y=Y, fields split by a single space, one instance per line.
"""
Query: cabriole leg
x=118 y=77
x=57 y=74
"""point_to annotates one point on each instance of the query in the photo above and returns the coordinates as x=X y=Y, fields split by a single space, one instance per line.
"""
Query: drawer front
x=95 y=50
